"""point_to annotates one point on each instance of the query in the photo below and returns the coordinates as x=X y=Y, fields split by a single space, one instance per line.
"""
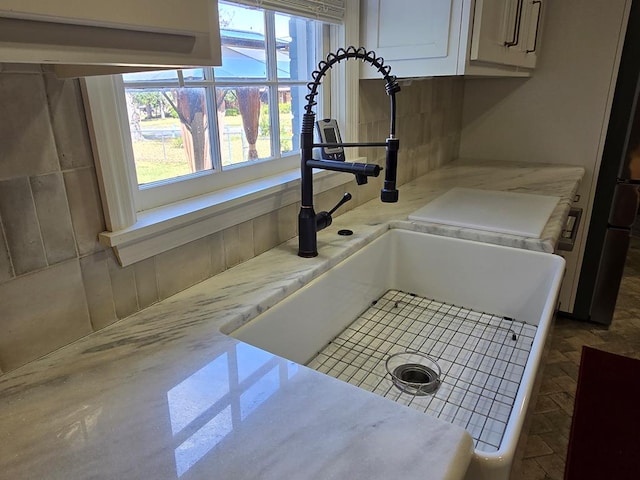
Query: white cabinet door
x=494 y=26
x=407 y=29
x=506 y=32
x=532 y=26
x=408 y=33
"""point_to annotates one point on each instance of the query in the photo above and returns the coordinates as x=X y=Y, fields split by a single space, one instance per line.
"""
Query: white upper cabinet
x=452 y=37
x=96 y=36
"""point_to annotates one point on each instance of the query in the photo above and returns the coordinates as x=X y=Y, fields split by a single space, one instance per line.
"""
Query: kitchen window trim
x=136 y=236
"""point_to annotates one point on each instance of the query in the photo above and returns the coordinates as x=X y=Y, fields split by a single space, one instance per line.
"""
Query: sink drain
x=415 y=379
x=414 y=373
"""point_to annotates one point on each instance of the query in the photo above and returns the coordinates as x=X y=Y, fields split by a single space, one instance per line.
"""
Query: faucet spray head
x=389 y=192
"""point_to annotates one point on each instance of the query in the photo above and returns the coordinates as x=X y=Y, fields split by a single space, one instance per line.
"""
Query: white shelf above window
x=97 y=37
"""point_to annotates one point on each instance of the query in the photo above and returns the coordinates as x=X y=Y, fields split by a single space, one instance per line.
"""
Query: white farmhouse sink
x=503 y=281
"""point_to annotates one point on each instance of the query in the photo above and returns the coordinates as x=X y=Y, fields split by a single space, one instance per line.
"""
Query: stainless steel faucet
x=309 y=224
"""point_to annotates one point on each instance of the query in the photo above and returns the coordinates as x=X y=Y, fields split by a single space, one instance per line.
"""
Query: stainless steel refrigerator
x=615 y=206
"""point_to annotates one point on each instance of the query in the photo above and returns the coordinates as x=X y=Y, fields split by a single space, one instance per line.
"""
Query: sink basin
x=516 y=286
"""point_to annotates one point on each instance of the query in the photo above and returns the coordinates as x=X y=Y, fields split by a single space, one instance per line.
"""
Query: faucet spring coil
x=392 y=87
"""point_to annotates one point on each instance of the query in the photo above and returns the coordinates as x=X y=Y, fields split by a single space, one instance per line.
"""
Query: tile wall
x=57 y=283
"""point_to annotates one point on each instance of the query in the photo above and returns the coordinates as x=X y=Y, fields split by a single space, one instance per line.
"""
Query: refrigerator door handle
x=624 y=206
x=605 y=293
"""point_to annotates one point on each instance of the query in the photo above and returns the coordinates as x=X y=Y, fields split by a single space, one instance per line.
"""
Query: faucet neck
x=307 y=233
x=306 y=153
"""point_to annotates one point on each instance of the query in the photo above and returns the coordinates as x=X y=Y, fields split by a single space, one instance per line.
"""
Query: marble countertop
x=166 y=394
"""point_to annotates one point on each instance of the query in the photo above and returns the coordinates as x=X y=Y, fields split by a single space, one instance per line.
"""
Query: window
x=185 y=153
x=201 y=125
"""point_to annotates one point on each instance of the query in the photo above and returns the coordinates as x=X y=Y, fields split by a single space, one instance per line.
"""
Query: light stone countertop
x=165 y=394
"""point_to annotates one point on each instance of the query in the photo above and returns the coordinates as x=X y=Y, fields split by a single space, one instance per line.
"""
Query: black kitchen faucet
x=309 y=224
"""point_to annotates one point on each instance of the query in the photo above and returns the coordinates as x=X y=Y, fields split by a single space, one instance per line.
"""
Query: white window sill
x=164 y=228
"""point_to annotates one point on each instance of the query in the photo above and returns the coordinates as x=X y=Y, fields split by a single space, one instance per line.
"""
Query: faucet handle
x=345 y=198
x=323 y=219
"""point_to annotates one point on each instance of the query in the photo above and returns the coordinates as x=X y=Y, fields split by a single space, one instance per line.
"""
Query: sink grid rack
x=481 y=356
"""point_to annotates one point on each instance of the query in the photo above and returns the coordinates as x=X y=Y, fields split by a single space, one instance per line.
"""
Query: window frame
x=136 y=235
x=160 y=193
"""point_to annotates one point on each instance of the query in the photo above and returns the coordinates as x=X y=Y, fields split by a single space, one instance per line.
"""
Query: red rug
x=605 y=430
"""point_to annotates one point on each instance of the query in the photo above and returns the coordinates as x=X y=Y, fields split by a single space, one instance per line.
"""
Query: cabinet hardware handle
x=535 y=40
x=515 y=38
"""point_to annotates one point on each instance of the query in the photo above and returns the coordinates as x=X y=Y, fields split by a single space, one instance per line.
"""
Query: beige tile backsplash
x=238 y=243
x=97 y=286
x=57 y=283
x=85 y=207
x=28 y=146
x=182 y=267
x=123 y=286
x=146 y=282
x=53 y=217
x=6 y=270
x=69 y=123
x=42 y=311
x=20 y=222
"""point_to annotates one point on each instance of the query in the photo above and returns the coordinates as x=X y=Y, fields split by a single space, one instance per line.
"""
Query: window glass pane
x=163 y=76
x=190 y=74
x=243 y=43
x=169 y=132
x=243 y=122
x=295 y=47
x=154 y=76
x=224 y=117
